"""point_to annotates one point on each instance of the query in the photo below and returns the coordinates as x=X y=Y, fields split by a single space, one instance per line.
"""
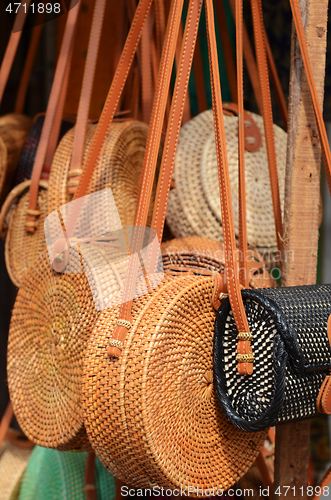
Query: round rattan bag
x=152 y=416
x=194 y=203
x=52 y=321
x=118 y=167
x=45 y=355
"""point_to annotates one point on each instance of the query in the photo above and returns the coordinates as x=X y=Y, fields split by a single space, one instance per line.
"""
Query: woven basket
x=13 y=461
x=53 y=378
x=194 y=203
x=119 y=168
x=14 y=128
x=45 y=356
x=152 y=416
x=53 y=474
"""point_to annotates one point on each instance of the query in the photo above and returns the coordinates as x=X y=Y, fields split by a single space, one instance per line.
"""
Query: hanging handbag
x=25 y=238
x=286 y=339
x=53 y=379
x=194 y=203
x=149 y=405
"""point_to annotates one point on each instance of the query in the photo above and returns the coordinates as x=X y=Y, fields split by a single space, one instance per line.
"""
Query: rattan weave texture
x=118 y=167
x=53 y=314
x=292 y=356
x=51 y=375
x=152 y=416
x=194 y=203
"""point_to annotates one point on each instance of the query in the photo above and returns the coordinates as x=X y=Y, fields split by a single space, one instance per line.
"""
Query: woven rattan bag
x=54 y=474
x=288 y=335
x=53 y=378
x=15 y=450
x=194 y=204
x=24 y=237
x=149 y=405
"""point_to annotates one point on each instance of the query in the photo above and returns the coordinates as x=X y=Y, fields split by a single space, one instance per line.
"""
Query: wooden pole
x=301 y=220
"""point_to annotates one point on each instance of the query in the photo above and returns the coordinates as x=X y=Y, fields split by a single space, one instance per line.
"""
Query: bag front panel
x=291 y=350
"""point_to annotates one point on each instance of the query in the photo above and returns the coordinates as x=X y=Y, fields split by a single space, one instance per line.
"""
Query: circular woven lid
x=52 y=317
x=59 y=474
x=197 y=186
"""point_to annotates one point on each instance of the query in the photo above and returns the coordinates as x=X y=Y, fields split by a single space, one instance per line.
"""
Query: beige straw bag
x=149 y=406
x=15 y=450
x=194 y=202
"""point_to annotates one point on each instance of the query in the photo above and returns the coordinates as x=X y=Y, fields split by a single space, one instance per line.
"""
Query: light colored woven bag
x=13 y=462
x=194 y=203
x=15 y=126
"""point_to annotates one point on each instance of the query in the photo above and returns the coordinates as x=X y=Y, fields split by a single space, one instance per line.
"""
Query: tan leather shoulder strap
x=243 y=270
x=267 y=116
x=276 y=82
x=175 y=119
x=25 y=78
x=176 y=111
x=5 y=422
x=85 y=96
x=52 y=107
x=326 y=154
x=12 y=45
x=227 y=50
x=114 y=94
x=244 y=356
x=89 y=486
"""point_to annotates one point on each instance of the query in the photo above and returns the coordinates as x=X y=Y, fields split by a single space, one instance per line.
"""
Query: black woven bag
x=291 y=350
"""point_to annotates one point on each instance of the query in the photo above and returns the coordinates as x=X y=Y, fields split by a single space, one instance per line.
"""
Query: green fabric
x=59 y=475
